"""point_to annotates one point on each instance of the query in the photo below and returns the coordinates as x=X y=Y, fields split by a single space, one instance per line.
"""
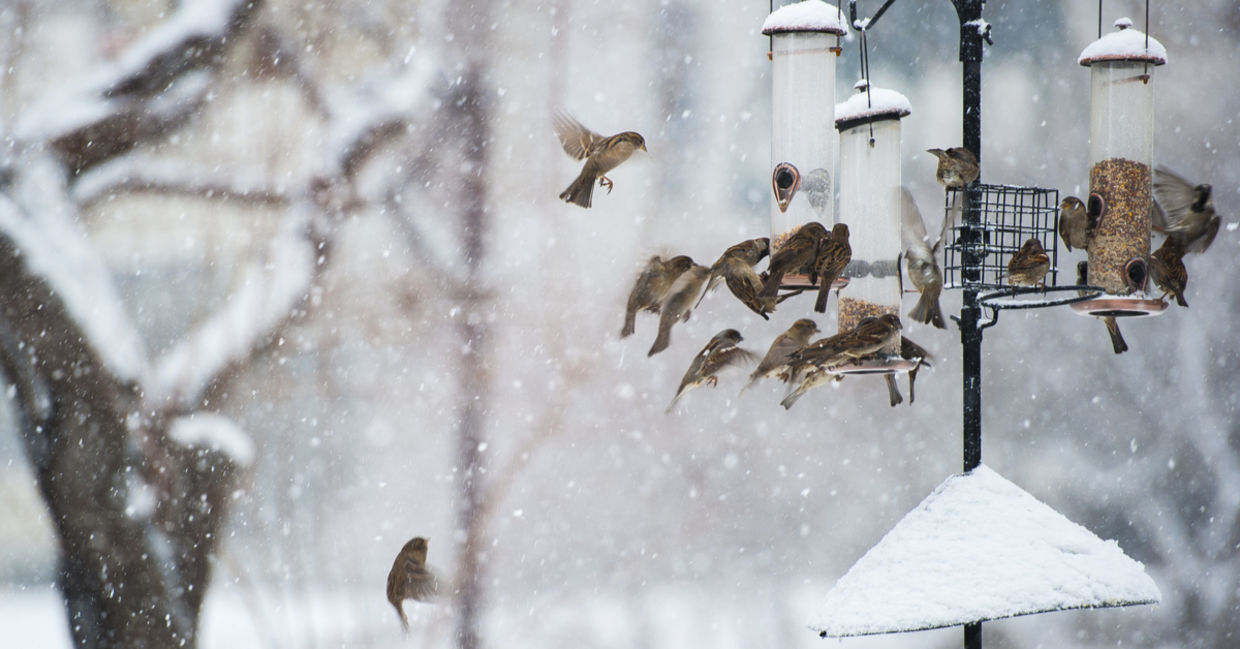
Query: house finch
x=410 y=578
x=720 y=354
x=651 y=286
x=602 y=154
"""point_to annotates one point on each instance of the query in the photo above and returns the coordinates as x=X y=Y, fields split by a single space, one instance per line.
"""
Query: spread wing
x=1174 y=194
x=576 y=139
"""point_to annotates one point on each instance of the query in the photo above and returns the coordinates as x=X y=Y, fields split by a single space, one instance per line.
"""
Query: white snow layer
x=880 y=101
x=216 y=432
x=1125 y=44
x=806 y=16
x=979 y=548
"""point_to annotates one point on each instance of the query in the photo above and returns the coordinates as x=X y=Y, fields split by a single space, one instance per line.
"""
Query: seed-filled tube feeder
x=803 y=144
x=869 y=127
x=1121 y=154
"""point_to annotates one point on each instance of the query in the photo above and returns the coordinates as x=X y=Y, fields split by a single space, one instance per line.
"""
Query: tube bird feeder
x=1121 y=153
x=869 y=127
x=803 y=144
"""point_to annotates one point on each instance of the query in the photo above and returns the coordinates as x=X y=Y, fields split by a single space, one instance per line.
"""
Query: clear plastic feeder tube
x=870 y=180
x=1121 y=154
x=803 y=142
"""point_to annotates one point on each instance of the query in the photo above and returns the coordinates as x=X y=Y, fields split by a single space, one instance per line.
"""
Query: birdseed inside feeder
x=803 y=144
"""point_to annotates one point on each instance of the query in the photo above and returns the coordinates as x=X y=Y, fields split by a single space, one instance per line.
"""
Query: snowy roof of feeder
x=806 y=16
x=1124 y=44
x=979 y=548
x=880 y=103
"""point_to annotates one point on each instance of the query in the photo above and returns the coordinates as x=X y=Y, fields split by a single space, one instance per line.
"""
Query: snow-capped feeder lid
x=806 y=16
x=878 y=104
x=1124 y=44
x=979 y=548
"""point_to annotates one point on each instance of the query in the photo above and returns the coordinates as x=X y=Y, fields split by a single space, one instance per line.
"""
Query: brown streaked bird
x=1168 y=271
x=651 y=286
x=923 y=265
x=911 y=351
x=752 y=251
x=678 y=303
x=834 y=253
x=957 y=166
x=776 y=360
x=871 y=336
x=410 y=578
x=800 y=250
x=719 y=355
x=602 y=154
x=1185 y=211
x=811 y=378
x=745 y=284
x=1076 y=227
x=1118 y=345
x=1028 y=267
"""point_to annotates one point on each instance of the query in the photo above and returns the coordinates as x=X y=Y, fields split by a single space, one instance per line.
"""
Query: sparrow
x=745 y=284
x=1076 y=227
x=410 y=579
x=834 y=253
x=677 y=304
x=893 y=391
x=651 y=285
x=911 y=351
x=1168 y=271
x=1185 y=211
x=1117 y=339
x=957 y=166
x=1028 y=267
x=602 y=154
x=871 y=336
x=800 y=249
x=817 y=187
x=776 y=360
x=720 y=354
x=923 y=265
x=811 y=379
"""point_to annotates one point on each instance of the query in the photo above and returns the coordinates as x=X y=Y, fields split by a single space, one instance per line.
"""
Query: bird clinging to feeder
x=1168 y=271
x=775 y=362
x=957 y=167
x=602 y=154
x=834 y=253
x=1184 y=211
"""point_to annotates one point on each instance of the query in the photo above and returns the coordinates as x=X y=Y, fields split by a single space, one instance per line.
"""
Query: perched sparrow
x=923 y=264
x=1076 y=227
x=817 y=188
x=1028 y=267
x=800 y=249
x=745 y=284
x=1168 y=271
x=957 y=166
x=871 y=336
x=677 y=304
x=1117 y=338
x=602 y=154
x=911 y=351
x=720 y=354
x=776 y=359
x=410 y=579
x=1186 y=211
x=651 y=285
x=752 y=251
x=811 y=379
x=834 y=253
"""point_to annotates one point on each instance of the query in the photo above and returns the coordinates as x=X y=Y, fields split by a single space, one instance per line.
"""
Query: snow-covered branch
x=144 y=173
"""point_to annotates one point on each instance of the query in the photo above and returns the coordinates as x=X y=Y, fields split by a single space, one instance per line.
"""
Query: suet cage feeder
x=1121 y=153
x=870 y=181
x=804 y=47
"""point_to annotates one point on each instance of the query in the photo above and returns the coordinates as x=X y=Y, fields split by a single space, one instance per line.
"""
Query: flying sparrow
x=651 y=285
x=1117 y=339
x=1185 y=211
x=800 y=249
x=410 y=579
x=1028 y=267
x=720 y=354
x=923 y=264
x=776 y=360
x=602 y=154
x=677 y=304
x=1168 y=271
x=834 y=253
x=957 y=166
x=1076 y=227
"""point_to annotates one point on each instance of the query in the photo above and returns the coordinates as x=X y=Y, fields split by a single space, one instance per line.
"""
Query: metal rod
x=973 y=636
x=971 y=234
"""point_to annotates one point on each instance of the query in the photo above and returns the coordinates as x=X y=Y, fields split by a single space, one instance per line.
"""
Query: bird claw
x=713 y=381
x=604 y=181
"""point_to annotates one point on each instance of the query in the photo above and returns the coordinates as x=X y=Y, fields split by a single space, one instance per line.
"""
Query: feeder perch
x=1121 y=152
x=803 y=144
x=999 y=551
x=870 y=200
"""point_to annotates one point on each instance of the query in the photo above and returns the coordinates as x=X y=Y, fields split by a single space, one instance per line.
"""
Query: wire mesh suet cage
x=1009 y=215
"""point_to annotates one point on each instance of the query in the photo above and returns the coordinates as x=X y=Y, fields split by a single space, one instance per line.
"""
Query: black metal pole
x=971 y=35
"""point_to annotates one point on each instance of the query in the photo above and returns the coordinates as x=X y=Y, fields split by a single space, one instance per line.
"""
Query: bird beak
x=643 y=147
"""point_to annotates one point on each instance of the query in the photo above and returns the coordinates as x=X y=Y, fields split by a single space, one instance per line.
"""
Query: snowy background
x=608 y=523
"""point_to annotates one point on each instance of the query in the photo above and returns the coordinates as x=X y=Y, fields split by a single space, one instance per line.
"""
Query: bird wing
x=913 y=231
x=576 y=139
x=1174 y=194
